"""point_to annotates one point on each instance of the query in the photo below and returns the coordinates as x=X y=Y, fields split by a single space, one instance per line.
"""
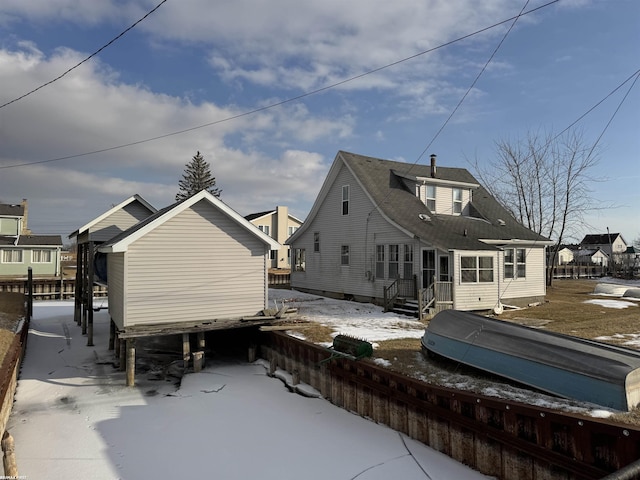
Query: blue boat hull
x=565 y=366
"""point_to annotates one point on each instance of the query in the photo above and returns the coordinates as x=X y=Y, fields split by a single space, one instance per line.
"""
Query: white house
x=375 y=221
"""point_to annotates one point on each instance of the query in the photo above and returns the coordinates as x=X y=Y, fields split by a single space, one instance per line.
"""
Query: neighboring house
x=590 y=256
x=564 y=256
x=375 y=221
x=608 y=242
x=114 y=221
x=90 y=264
x=21 y=250
x=279 y=225
x=197 y=261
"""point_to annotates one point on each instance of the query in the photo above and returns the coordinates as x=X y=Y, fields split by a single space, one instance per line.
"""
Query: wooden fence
x=499 y=438
x=48 y=288
x=579 y=271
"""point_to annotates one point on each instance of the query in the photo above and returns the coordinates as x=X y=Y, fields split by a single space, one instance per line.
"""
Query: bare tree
x=543 y=181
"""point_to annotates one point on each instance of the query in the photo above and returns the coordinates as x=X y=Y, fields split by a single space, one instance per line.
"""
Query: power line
x=283 y=102
x=504 y=37
x=85 y=60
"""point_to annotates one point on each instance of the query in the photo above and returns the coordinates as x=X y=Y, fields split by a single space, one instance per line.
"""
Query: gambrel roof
x=387 y=184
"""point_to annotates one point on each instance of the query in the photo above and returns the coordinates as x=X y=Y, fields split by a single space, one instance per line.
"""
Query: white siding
x=198 y=266
x=116 y=279
x=481 y=296
x=475 y=296
x=534 y=283
x=119 y=221
x=362 y=229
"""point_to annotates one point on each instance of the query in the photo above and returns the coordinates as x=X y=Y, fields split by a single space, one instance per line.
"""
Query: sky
x=269 y=92
x=73 y=416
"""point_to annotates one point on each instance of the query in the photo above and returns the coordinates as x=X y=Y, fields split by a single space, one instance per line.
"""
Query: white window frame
x=346 y=194
x=408 y=261
x=380 y=261
x=394 y=261
x=299 y=257
x=264 y=229
x=476 y=273
x=430 y=200
x=457 y=202
x=344 y=255
x=515 y=263
x=38 y=253
x=9 y=259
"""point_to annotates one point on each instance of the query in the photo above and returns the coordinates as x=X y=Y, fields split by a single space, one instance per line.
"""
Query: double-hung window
x=344 y=255
x=408 y=261
x=299 y=261
x=476 y=269
x=379 y=261
x=430 y=199
x=12 y=256
x=264 y=228
x=394 y=261
x=345 y=199
x=457 y=200
x=515 y=263
x=316 y=241
x=41 y=256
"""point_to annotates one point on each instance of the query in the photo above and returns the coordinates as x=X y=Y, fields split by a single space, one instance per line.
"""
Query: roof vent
x=433 y=165
x=501 y=222
x=424 y=217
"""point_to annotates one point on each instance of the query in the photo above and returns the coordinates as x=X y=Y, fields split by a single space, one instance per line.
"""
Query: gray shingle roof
x=11 y=210
x=381 y=179
x=33 y=241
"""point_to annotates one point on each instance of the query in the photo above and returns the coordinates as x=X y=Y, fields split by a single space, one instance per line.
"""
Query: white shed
x=197 y=263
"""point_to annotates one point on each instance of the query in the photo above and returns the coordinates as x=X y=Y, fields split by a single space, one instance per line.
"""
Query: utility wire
x=473 y=84
x=85 y=60
x=283 y=102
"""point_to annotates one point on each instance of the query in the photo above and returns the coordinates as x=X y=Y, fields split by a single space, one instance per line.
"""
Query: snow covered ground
x=74 y=418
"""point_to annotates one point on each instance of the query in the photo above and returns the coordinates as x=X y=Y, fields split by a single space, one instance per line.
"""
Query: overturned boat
x=566 y=366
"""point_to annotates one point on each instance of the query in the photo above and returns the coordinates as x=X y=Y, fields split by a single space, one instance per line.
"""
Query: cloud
x=93 y=109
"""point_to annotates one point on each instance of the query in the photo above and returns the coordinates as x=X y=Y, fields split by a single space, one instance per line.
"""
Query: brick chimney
x=433 y=165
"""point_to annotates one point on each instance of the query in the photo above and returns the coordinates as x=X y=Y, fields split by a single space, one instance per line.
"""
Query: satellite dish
x=424 y=217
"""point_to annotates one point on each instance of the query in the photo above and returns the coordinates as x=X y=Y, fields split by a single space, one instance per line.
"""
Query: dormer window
x=430 y=199
x=457 y=201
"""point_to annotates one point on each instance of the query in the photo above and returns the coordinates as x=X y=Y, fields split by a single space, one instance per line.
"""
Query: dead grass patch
x=565 y=311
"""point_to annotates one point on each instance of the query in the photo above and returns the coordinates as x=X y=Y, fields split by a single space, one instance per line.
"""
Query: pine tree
x=197 y=177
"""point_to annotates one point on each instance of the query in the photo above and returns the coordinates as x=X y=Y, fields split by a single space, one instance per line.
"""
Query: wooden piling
x=90 y=295
x=186 y=350
x=198 y=361
x=122 y=354
x=251 y=356
x=131 y=362
x=112 y=334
